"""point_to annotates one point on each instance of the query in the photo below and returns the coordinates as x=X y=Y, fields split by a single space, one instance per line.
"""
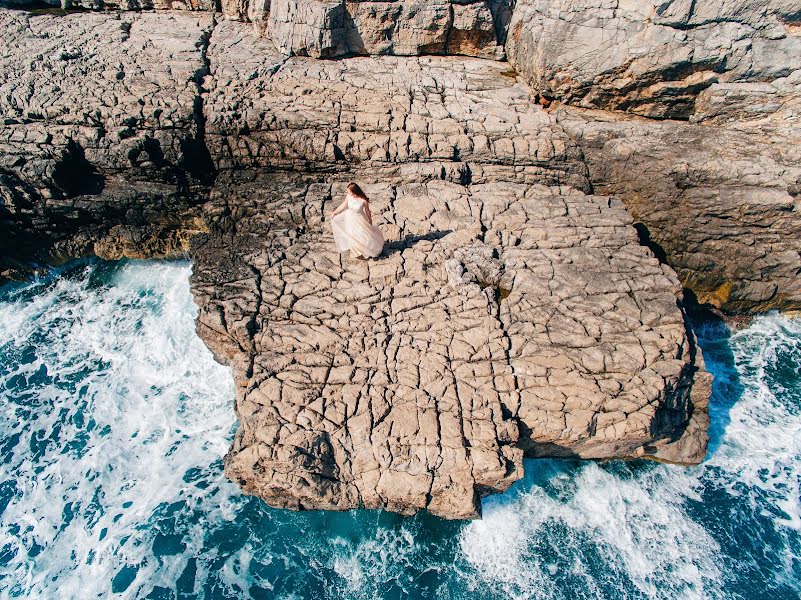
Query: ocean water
x=115 y=420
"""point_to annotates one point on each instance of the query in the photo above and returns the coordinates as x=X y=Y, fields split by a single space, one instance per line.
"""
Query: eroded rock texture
x=654 y=58
x=101 y=132
x=333 y=28
x=327 y=28
x=722 y=202
x=503 y=318
x=510 y=314
x=115 y=5
x=264 y=109
x=513 y=312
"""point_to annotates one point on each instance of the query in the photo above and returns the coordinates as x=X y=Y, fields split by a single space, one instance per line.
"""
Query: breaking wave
x=116 y=419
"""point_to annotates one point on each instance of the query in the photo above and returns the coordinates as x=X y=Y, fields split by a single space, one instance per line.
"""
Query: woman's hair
x=354 y=189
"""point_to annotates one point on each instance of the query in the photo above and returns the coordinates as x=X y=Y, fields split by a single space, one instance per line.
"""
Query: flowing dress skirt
x=353 y=232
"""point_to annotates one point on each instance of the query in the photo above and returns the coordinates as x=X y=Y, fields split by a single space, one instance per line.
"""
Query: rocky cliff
x=518 y=308
x=511 y=313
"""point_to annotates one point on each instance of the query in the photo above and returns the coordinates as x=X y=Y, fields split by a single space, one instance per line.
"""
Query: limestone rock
x=502 y=318
x=124 y=5
x=264 y=109
x=721 y=202
x=778 y=101
x=107 y=94
x=329 y=28
x=647 y=57
x=100 y=124
x=334 y=28
x=512 y=312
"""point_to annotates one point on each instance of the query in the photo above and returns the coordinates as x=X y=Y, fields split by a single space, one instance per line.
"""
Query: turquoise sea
x=115 y=419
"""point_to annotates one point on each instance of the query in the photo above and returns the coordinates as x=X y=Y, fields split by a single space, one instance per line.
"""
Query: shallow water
x=116 y=418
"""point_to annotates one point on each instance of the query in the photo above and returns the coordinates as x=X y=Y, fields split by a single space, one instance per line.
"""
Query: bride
x=352 y=224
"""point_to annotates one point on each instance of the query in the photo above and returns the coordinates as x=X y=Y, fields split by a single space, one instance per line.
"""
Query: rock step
x=266 y=110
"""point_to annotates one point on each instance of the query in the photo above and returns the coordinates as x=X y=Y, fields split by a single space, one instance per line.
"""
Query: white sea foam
x=122 y=401
x=115 y=418
x=633 y=529
x=639 y=526
x=762 y=449
x=365 y=565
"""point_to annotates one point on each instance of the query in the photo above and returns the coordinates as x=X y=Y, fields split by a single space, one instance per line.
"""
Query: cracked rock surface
x=125 y=118
x=132 y=110
x=100 y=133
x=329 y=28
x=264 y=109
x=336 y=28
x=502 y=319
x=512 y=313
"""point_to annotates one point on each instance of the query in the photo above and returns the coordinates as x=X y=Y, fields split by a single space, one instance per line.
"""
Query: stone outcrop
x=718 y=198
x=207 y=6
x=264 y=109
x=503 y=318
x=725 y=66
x=511 y=313
x=101 y=124
x=721 y=202
x=335 y=28
x=132 y=109
x=653 y=58
x=515 y=311
x=329 y=28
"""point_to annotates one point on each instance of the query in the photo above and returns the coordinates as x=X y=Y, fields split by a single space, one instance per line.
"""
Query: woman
x=352 y=224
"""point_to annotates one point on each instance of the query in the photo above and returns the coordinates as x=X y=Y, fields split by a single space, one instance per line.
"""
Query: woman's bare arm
x=339 y=209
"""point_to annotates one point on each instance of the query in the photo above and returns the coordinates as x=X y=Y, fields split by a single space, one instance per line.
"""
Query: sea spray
x=113 y=410
x=116 y=418
x=725 y=529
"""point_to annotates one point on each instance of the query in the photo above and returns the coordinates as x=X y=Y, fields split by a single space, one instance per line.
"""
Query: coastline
x=544 y=325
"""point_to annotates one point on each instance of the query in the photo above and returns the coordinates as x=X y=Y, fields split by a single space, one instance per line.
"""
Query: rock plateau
x=530 y=299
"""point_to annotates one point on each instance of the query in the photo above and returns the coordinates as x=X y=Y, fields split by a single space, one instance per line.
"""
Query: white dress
x=352 y=231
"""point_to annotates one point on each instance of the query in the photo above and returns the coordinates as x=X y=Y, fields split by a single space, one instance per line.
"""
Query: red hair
x=354 y=189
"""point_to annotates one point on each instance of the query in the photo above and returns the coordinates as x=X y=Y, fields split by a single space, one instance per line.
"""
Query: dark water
x=115 y=419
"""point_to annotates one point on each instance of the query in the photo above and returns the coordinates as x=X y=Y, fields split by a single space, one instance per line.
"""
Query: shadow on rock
x=714 y=335
x=411 y=240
